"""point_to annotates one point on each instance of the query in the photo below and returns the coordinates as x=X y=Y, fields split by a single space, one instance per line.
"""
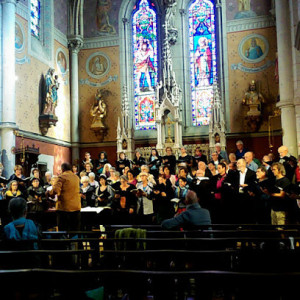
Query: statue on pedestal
x=254 y=100
x=48 y=117
x=98 y=111
x=52 y=86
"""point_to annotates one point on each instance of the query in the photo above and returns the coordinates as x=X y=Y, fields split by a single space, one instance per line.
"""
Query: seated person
x=20 y=228
x=191 y=218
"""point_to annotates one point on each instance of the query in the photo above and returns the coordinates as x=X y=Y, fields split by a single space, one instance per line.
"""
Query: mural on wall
x=62 y=64
x=253 y=68
x=242 y=9
x=98 y=66
x=20 y=44
x=253 y=49
x=101 y=18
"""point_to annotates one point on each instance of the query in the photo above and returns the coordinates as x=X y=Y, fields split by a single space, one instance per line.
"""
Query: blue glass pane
x=35 y=14
x=203 y=66
x=145 y=63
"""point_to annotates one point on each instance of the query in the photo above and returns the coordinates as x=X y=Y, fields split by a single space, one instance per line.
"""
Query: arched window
x=203 y=67
x=145 y=63
x=35 y=17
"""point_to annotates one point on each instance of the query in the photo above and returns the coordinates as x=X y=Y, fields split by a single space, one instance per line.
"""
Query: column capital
x=286 y=103
x=9 y=1
x=75 y=43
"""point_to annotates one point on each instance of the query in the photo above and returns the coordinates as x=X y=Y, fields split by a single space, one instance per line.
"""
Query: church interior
x=95 y=82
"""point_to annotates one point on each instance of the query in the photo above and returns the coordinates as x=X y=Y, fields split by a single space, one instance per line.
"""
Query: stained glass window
x=35 y=17
x=203 y=66
x=145 y=63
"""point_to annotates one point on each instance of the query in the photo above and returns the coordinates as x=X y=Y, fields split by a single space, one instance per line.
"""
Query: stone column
x=75 y=44
x=285 y=67
x=8 y=120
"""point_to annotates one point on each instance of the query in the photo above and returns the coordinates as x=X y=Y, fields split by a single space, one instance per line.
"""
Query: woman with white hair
x=93 y=182
x=87 y=193
x=106 y=170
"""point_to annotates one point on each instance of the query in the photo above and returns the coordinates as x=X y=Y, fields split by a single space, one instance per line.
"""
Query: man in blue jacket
x=192 y=217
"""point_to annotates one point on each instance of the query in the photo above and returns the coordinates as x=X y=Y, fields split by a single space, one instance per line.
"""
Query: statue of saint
x=98 y=111
x=52 y=86
x=252 y=97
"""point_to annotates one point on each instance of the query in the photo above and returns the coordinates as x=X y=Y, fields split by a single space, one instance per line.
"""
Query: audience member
x=191 y=218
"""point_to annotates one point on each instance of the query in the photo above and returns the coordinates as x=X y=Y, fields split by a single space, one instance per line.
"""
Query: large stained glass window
x=203 y=67
x=145 y=63
x=35 y=17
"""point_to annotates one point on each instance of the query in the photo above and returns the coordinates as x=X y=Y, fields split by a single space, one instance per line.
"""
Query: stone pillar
x=285 y=67
x=75 y=44
x=8 y=120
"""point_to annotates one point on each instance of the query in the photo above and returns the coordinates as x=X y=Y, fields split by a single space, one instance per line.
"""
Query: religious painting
x=203 y=65
x=253 y=48
x=145 y=60
x=244 y=9
x=98 y=65
x=19 y=38
x=146 y=112
x=61 y=61
x=105 y=24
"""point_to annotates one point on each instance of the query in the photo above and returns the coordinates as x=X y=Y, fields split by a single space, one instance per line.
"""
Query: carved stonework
x=75 y=44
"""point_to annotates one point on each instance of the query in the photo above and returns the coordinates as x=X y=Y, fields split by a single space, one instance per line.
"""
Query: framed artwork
x=20 y=37
x=253 y=48
x=61 y=61
x=98 y=65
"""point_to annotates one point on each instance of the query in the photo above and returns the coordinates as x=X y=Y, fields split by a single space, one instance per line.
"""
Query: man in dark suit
x=241 y=182
x=191 y=218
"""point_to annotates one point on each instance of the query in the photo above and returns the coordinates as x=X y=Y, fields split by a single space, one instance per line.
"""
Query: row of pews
x=144 y=262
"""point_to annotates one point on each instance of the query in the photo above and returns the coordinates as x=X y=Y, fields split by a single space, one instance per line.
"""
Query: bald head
x=283 y=151
x=248 y=157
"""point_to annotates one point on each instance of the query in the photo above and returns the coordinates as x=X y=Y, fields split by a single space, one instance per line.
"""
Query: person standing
x=68 y=202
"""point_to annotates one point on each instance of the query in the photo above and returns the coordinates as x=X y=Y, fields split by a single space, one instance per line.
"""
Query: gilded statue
x=52 y=86
x=253 y=97
x=98 y=111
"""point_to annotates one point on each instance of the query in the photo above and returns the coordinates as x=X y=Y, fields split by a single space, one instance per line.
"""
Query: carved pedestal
x=46 y=121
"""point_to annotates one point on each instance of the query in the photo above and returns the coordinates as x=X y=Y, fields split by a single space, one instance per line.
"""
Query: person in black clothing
x=36 y=174
x=104 y=193
x=20 y=178
x=289 y=162
x=154 y=162
x=138 y=161
x=101 y=162
x=261 y=199
x=184 y=159
x=122 y=163
x=199 y=156
x=267 y=163
x=278 y=199
x=125 y=203
x=87 y=159
x=162 y=194
x=169 y=160
x=87 y=193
